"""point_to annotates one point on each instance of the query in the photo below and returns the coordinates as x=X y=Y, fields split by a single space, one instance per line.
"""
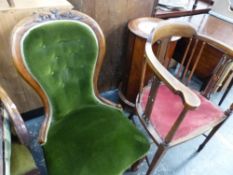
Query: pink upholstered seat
x=167 y=108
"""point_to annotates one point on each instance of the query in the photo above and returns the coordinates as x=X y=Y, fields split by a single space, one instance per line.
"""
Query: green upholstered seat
x=21 y=160
x=86 y=137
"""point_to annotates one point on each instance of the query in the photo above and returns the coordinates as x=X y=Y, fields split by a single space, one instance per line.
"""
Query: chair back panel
x=63 y=68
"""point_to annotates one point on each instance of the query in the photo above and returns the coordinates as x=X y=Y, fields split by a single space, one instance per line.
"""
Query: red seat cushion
x=167 y=108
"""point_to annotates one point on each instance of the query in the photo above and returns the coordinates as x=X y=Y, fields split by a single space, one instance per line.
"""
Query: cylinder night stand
x=140 y=29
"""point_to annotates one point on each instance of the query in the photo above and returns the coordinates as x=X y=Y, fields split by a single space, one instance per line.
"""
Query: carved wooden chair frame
x=54 y=15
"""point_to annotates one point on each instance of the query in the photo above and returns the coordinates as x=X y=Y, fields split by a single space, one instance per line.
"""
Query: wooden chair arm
x=190 y=99
x=15 y=118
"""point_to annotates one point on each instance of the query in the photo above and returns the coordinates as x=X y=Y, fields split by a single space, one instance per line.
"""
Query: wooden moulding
x=29 y=22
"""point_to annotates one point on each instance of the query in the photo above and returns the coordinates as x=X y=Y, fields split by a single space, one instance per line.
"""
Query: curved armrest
x=15 y=118
x=191 y=100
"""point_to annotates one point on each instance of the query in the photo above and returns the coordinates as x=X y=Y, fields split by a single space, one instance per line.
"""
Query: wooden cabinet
x=23 y=95
x=212 y=27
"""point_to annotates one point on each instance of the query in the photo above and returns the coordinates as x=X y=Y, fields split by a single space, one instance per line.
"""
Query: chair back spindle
x=186 y=70
x=196 y=61
x=152 y=96
x=218 y=71
x=163 y=47
x=179 y=73
x=143 y=74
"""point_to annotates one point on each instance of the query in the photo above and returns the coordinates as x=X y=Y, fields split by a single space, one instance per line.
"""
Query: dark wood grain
x=113 y=16
x=210 y=27
x=135 y=57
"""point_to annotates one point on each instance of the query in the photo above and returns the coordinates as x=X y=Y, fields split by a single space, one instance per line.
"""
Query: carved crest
x=56 y=15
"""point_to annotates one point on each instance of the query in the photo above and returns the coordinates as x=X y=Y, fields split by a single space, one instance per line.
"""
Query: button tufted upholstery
x=86 y=137
x=62 y=55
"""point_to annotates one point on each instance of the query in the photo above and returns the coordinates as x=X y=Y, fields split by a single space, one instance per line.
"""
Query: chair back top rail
x=164 y=30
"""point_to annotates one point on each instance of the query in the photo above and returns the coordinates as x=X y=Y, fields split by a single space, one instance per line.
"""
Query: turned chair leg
x=228 y=112
x=210 y=135
x=156 y=159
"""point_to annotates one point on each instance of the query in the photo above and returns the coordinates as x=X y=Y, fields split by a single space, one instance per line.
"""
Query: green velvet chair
x=60 y=56
x=15 y=155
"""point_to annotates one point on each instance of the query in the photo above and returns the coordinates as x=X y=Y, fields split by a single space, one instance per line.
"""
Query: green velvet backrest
x=61 y=55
